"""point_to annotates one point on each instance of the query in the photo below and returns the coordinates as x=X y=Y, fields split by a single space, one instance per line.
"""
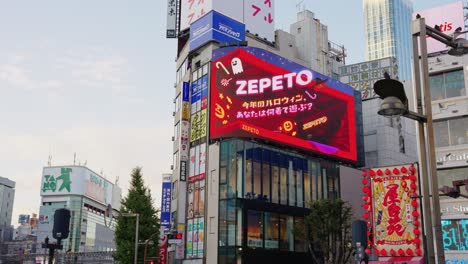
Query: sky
x=96 y=78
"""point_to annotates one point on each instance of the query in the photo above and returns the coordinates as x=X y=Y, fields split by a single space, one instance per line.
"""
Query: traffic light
x=174 y=238
x=178 y=236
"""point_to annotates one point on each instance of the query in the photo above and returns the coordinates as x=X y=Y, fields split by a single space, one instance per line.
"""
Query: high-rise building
x=387 y=141
x=387 y=32
x=258 y=135
x=94 y=203
x=7 y=196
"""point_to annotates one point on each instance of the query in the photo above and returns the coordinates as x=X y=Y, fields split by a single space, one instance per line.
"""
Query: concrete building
x=387 y=141
x=387 y=32
x=90 y=197
x=7 y=196
x=238 y=193
x=449 y=92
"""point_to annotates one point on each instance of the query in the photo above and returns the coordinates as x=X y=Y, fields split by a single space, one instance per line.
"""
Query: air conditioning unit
x=172 y=167
x=175 y=85
x=173 y=138
x=173 y=113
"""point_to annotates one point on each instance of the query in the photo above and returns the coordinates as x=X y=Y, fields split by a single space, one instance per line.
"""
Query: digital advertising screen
x=258 y=94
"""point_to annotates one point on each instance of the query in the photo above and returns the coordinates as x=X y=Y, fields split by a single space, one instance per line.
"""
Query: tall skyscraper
x=387 y=29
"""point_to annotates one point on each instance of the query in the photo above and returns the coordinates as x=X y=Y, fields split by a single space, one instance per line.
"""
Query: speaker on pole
x=61 y=227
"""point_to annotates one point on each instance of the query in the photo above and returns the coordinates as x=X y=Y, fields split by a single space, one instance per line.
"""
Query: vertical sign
x=192 y=10
x=195 y=100
x=166 y=203
x=171 y=19
x=258 y=15
x=204 y=91
x=162 y=256
x=190 y=211
x=189 y=247
x=185 y=91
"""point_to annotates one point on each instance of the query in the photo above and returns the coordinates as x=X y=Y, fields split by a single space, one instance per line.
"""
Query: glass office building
x=388 y=32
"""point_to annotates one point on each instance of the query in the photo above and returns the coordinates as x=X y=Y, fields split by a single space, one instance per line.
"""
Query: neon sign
x=255 y=93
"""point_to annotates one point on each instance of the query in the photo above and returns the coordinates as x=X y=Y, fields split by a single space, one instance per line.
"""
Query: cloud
x=112 y=150
x=15 y=75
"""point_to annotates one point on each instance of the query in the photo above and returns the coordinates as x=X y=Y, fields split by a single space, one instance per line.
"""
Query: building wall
x=7 y=195
x=449 y=90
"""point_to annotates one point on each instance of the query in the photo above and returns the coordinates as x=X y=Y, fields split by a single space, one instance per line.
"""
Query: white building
x=7 y=196
x=89 y=197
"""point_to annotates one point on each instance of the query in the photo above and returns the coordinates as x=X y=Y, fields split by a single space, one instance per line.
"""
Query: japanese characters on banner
x=198 y=237
x=162 y=254
x=198 y=123
x=166 y=203
x=258 y=94
x=192 y=10
x=171 y=19
x=259 y=18
x=391 y=198
x=199 y=99
x=189 y=247
x=184 y=140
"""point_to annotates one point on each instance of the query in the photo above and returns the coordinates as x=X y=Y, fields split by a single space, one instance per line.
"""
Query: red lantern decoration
x=365 y=216
x=376 y=251
x=417 y=241
x=415 y=213
x=416 y=223
x=401 y=252
x=383 y=252
x=416 y=232
x=369 y=224
x=409 y=252
x=418 y=252
x=369 y=242
x=365 y=190
x=412 y=177
x=413 y=186
x=404 y=170
x=396 y=171
x=368 y=251
x=379 y=172
x=364 y=182
x=372 y=173
x=388 y=172
x=364 y=173
x=414 y=203
x=392 y=252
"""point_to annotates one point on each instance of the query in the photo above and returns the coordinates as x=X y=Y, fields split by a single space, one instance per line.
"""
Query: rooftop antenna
x=299 y=5
x=49 y=160
x=74 y=158
x=117 y=180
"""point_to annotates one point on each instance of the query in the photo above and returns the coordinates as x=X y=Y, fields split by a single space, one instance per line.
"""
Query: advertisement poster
x=190 y=209
x=204 y=92
x=166 y=204
x=259 y=18
x=171 y=19
x=189 y=247
x=198 y=237
x=162 y=258
x=192 y=163
x=196 y=96
x=257 y=94
x=448 y=17
x=201 y=199
x=198 y=125
x=395 y=213
x=196 y=198
x=184 y=140
x=192 y=10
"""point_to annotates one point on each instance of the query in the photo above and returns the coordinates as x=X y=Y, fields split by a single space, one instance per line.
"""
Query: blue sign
x=166 y=205
x=196 y=90
x=214 y=26
x=204 y=86
x=185 y=91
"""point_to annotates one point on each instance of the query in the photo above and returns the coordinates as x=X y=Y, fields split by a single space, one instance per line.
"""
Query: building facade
x=448 y=84
x=7 y=196
x=387 y=141
x=248 y=158
x=93 y=201
x=387 y=32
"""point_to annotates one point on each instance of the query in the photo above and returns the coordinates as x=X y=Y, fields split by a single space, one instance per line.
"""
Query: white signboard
x=192 y=10
x=448 y=17
x=171 y=19
x=259 y=18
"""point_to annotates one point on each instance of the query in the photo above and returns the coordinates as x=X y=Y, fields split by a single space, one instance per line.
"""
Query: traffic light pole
x=52 y=248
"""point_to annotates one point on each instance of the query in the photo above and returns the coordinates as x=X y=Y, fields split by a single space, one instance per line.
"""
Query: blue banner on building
x=185 y=91
x=166 y=206
x=196 y=91
x=214 y=26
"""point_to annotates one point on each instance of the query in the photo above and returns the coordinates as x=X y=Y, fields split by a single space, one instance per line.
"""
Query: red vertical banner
x=394 y=210
x=162 y=257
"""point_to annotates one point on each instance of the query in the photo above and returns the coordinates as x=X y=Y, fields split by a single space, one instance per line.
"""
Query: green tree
x=137 y=201
x=328 y=231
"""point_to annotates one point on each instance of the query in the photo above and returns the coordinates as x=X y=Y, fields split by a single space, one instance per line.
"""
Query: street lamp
x=395 y=103
x=135 y=258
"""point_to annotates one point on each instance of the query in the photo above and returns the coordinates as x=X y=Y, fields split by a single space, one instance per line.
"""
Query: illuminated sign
x=166 y=204
x=393 y=213
x=255 y=93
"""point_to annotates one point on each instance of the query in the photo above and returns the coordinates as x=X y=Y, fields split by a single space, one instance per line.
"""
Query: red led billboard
x=257 y=94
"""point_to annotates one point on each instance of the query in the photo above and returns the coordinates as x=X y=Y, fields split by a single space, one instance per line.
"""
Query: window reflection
x=271 y=230
x=254 y=229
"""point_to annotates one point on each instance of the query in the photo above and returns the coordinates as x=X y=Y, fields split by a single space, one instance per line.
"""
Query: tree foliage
x=139 y=201
x=328 y=231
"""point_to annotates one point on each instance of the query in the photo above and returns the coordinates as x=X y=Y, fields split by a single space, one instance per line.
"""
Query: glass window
x=307 y=189
x=266 y=175
x=446 y=177
x=291 y=184
x=454 y=234
x=178 y=102
x=300 y=245
x=283 y=184
x=441 y=133
x=257 y=173
x=254 y=229
x=248 y=171
x=275 y=183
x=271 y=230
x=451 y=132
x=234 y=159
x=284 y=236
x=299 y=189
x=447 y=85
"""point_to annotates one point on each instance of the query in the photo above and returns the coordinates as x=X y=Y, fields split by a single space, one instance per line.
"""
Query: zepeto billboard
x=257 y=94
